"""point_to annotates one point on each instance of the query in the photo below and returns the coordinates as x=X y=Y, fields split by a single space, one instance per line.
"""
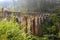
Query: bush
x=8 y=30
x=13 y=31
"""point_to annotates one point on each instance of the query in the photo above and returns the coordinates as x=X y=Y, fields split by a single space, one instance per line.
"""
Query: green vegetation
x=51 y=26
x=13 y=31
x=10 y=30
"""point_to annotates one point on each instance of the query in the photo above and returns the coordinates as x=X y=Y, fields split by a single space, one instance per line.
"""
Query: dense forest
x=36 y=5
x=31 y=5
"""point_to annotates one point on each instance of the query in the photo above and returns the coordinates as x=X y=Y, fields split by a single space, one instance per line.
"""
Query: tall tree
x=35 y=5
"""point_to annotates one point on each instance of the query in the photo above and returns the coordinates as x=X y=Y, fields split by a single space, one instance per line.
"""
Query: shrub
x=13 y=31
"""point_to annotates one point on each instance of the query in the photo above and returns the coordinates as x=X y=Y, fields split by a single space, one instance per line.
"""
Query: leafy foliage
x=12 y=31
x=51 y=26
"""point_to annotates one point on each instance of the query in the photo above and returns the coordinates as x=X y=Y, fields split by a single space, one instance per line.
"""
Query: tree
x=35 y=5
x=52 y=25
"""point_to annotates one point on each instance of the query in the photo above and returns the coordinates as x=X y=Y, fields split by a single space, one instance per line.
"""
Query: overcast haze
x=30 y=4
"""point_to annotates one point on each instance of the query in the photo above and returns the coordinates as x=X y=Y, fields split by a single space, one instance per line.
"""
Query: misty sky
x=31 y=4
x=23 y=1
